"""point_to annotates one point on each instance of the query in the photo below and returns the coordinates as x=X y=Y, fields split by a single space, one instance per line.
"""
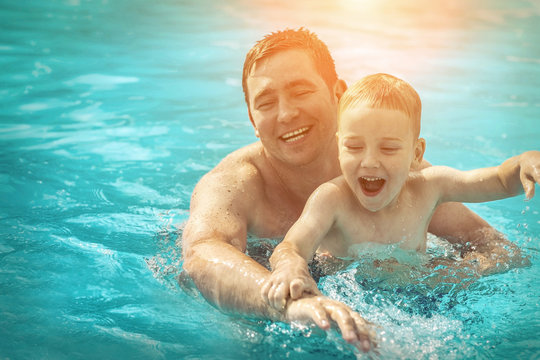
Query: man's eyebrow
x=290 y=85
x=299 y=82
x=262 y=93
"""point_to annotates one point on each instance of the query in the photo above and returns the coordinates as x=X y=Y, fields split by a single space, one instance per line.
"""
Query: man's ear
x=339 y=88
x=419 y=149
x=253 y=123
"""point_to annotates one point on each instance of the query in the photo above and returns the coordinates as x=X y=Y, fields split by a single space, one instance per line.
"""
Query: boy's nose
x=370 y=160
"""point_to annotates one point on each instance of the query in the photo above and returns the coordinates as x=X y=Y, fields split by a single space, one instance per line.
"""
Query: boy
x=379 y=198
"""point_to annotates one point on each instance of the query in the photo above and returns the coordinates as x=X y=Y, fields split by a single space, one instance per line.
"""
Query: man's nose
x=287 y=110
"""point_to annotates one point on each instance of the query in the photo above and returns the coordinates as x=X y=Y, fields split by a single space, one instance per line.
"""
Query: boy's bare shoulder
x=426 y=174
x=333 y=190
x=337 y=184
x=428 y=180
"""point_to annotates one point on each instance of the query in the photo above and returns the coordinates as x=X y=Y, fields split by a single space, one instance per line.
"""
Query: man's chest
x=271 y=220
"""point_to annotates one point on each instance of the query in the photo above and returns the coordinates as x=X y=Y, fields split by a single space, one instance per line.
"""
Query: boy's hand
x=529 y=172
x=287 y=282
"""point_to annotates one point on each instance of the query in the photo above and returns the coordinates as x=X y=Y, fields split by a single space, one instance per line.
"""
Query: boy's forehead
x=358 y=118
x=361 y=110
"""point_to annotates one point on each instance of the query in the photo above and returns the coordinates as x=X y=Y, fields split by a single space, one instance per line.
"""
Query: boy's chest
x=406 y=227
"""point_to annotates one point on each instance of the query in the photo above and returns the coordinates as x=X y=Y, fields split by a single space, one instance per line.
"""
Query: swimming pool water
x=111 y=111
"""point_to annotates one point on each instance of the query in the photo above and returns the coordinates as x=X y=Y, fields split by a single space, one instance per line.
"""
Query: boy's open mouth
x=371 y=186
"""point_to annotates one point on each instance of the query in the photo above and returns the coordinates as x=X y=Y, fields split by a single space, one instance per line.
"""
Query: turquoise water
x=112 y=110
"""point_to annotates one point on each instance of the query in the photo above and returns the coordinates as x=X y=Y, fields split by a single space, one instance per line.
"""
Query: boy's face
x=377 y=148
x=292 y=109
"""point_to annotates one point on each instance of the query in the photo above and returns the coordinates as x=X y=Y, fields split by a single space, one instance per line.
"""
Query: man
x=292 y=90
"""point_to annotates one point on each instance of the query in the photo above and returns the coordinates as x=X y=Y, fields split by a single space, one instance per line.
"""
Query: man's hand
x=323 y=311
x=489 y=252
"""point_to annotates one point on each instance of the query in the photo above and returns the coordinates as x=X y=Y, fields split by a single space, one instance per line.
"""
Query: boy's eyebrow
x=392 y=139
x=351 y=137
x=354 y=137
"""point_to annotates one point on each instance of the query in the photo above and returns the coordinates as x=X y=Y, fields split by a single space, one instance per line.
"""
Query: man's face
x=376 y=150
x=292 y=109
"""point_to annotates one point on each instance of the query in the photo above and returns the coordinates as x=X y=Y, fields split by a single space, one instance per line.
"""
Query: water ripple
x=102 y=82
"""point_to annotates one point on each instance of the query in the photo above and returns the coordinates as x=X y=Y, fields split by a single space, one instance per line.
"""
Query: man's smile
x=295 y=135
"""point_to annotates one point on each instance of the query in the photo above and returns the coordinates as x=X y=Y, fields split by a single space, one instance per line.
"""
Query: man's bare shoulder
x=221 y=201
x=239 y=168
x=234 y=185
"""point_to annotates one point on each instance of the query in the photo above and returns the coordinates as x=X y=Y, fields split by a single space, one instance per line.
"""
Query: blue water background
x=112 y=110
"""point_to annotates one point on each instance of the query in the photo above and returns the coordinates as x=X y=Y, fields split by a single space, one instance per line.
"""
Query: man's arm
x=213 y=244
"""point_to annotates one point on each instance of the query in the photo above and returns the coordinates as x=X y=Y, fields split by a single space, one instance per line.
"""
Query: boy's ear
x=339 y=88
x=419 y=149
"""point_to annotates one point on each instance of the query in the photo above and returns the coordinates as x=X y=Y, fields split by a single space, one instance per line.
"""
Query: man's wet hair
x=288 y=39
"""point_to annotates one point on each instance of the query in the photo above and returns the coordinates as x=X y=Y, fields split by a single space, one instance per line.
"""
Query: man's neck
x=301 y=180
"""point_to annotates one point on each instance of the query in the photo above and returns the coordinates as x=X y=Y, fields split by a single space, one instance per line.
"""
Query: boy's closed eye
x=353 y=145
x=389 y=150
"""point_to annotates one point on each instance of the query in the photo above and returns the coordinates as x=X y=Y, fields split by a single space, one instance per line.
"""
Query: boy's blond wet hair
x=383 y=91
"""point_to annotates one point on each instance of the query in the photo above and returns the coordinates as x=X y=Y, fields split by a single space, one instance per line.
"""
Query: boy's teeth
x=371 y=184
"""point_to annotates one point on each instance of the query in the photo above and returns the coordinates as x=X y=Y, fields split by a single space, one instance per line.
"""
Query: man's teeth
x=295 y=135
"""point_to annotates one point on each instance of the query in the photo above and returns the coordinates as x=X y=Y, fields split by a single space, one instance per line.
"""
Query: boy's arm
x=460 y=225
x=290 y=277
x=512 y=177
x=289 y=261
x=456 y=223
x=486 y=248
x=521 y=173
